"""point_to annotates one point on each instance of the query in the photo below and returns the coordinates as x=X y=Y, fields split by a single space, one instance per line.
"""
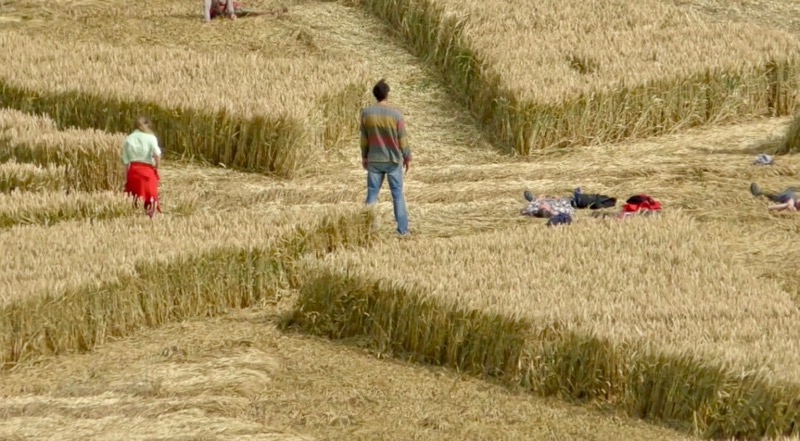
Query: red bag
x=641 y=202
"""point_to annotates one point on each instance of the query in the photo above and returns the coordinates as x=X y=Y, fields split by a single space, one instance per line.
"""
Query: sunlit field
x=265 y=302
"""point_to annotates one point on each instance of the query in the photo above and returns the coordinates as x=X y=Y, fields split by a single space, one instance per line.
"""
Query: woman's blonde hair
x=142 y=123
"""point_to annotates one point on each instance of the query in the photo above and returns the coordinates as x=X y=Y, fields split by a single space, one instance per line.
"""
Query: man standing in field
x=385 y=152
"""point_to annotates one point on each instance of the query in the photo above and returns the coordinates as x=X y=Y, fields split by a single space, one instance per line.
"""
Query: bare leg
x=248 y=13
x=790 y=205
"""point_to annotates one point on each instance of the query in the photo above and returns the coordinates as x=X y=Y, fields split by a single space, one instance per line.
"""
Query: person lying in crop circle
x=228 y=8
x=546 y=206
x=788 y=199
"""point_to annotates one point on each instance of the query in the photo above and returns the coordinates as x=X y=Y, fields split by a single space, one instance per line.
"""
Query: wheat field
x=267 y=120
x=89 y=158
x=552 y=76
x=240 y=378
x=665 y=282
x=552 y=51
x=214 y=319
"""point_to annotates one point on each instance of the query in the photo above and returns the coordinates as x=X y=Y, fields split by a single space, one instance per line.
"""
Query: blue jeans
x=375 y=174
x=784 y=196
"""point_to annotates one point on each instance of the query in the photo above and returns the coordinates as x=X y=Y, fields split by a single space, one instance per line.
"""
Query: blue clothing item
x=763 y=159
x=781 y=198
x=785 y=196
x=375 y=175
x=559 y=219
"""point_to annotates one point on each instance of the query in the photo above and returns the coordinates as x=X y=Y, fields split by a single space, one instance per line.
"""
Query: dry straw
x=219 y=377
x=31 y=178
x=24 y=208
x=104 y=251
x=665 y=281
x=538 y=80
x=680 y=389
x=158 y=291
x=271 y=116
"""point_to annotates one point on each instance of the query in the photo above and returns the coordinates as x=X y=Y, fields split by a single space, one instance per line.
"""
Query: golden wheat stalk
x=24 y=208
x=91 y=159
x=30 y=177
x=275 y=115
x=655 y=280
x=117 y=244
x=791 y=140
x=156 y=290
x=541 y=80
x=560 y=357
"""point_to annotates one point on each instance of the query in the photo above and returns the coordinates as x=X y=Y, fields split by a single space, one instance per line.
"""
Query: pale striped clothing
x=548 y=207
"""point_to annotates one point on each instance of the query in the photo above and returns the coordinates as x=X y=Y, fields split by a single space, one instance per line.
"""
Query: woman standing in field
x=141 y=156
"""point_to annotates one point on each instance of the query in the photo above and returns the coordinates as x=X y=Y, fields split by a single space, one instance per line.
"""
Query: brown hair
x=381 y=90
x=142 y=123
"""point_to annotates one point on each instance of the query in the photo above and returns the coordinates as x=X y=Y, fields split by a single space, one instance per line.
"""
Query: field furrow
x=239 y=377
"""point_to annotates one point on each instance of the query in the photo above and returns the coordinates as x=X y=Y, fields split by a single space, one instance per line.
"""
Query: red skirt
x=142 y=183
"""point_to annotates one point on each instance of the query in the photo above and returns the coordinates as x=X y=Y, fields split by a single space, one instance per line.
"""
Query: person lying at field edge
x=786 y=200
x=540 y=207
x=228 y=8
x=558 y=211
x=141 y=156
x=546 y=206
x=385 y=152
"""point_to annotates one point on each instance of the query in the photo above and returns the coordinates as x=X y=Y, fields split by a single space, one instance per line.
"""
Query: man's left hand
x=364 y=163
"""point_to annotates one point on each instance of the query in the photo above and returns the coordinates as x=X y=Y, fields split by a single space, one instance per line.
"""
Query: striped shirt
x=383 y=135
x=548 y=207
